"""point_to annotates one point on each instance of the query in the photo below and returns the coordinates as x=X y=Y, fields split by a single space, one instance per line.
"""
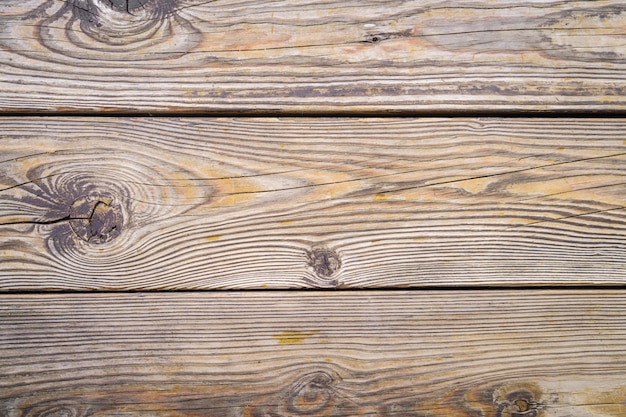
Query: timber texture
x=108 y=203
x=320 y=56
x=289 y=354
x=312 y=208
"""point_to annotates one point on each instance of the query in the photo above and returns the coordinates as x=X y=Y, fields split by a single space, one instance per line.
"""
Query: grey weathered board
x=289 y=354
x=203 y=203
x=312 y=56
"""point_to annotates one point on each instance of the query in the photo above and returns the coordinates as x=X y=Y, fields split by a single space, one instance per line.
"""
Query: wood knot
x=59 y=412
x=325 y=262
x=134 y=15
x=519 y=403
x=54 y=410
x=96 y=218
x=311 y=394
x=383 y=36
x=116 y=29
x=128 y=5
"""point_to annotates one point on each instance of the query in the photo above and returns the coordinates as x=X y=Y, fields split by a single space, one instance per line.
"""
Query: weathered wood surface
x=314 y=56
x=197 y=203
x=253 y=354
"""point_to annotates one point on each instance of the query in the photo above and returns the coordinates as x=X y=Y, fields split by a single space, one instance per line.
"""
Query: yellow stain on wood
x=243 y=185
x=545 y=187
x=233 y=200
x=610 y=403
x=380 y=197
x=227 y=189
x=600 y=188
x=212 y=238
x=246 y=40
x=286 y=222
x=186 y=189
x=475 y=186
x=293 y=337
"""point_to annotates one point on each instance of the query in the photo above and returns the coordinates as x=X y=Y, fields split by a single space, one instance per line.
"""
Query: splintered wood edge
x=404 y=353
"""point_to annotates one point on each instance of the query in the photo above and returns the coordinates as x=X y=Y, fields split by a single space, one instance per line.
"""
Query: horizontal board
x=314 y=56
x=198 y=203
x=275 y=354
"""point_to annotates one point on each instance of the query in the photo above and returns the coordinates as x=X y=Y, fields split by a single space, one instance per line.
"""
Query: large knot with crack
x=96 y=218
x=118 y=30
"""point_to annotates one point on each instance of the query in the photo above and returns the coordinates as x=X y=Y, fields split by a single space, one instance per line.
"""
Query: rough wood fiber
x=254 y=354
x=107 y=203
x=348 y=55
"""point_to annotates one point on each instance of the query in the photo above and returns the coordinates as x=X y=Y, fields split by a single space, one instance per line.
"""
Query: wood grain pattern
x=198 y=203
x=314 y=56
x=275 y=354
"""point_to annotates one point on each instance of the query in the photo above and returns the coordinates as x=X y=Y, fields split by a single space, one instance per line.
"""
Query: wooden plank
x=383 y=354
x=197 y=203
x=314 y=56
